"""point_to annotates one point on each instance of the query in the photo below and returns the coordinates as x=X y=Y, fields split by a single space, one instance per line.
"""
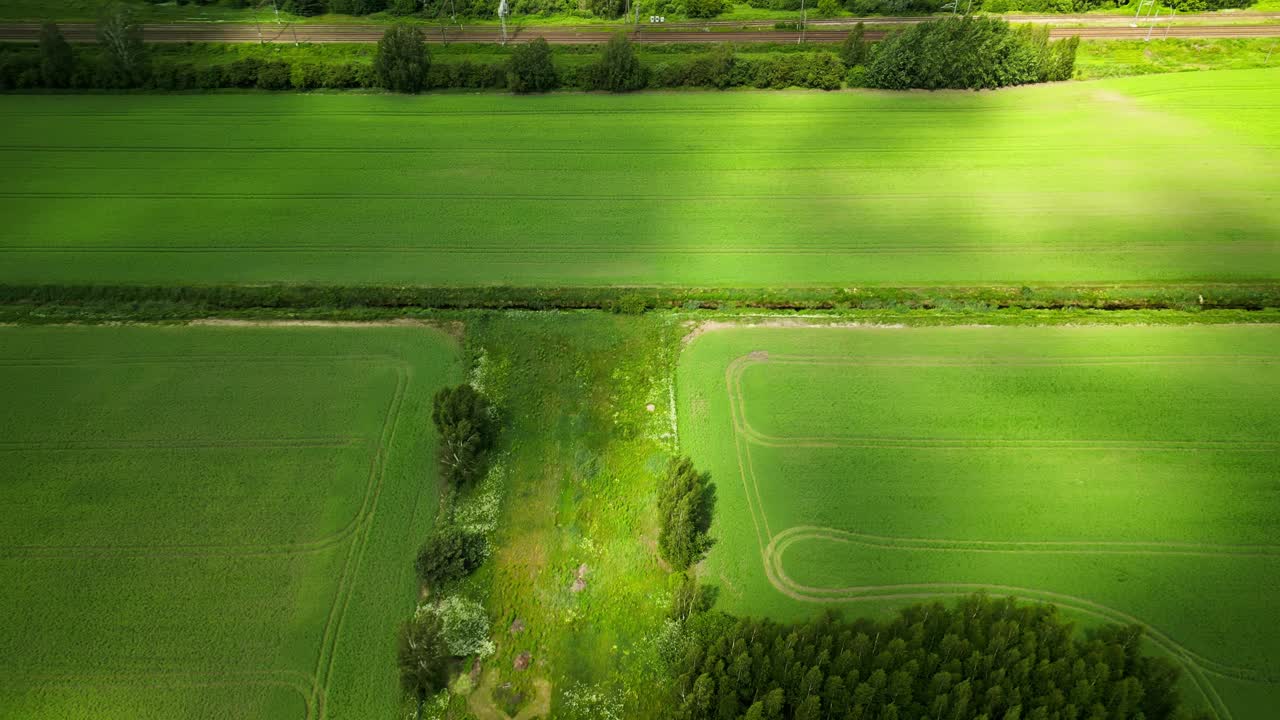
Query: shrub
x=404 y=7
x=856 y=77
x=274 y=75
x=828 y=8
x=402 y=60
x=304 y=8
x=619 y=70
x=464 y=627
x=451 y=553
x=705 y=8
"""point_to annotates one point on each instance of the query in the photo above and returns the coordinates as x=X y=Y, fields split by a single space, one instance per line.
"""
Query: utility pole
x=502 y=17
x=802 y=16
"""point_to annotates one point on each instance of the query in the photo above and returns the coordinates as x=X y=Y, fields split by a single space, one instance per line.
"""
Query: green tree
x=449 y=554
x=423 y=656
x=855 y=49
x=57 y=59
x=810 y=709
x=828 y=8
x=305 y=8
x=463 y=419
x=402 y=59
x=686 y=503
x=619 y=70
x=530 y=68
x=124 y=57
x=691 y=598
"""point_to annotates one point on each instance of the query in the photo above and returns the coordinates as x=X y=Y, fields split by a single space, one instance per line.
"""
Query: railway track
x=817 y=32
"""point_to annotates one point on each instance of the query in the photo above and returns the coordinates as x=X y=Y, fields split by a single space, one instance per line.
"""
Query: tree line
x=954 y=53
x=451 y=626
x=612 y=9
x=982 y=659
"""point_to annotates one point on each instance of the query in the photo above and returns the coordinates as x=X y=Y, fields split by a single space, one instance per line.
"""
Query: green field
x=1140 y=180
x=211 y=522
x=1128 y=474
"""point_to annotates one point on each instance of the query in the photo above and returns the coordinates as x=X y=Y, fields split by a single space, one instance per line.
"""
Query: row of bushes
x=699 y=8
x=182 y=302
x=720 y=69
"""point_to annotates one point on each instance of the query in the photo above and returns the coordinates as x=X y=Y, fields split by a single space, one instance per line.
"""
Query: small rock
x=517 y=626
x=523 y=660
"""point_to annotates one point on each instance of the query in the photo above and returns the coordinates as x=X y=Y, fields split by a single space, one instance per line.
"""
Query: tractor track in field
x=313 y=687
x=818 y=32
x=359 y=521
x=567 y=254
x=773 y=546
x=298 y=682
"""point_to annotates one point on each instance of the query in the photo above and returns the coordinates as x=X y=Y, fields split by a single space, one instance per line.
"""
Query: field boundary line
x=301 y=443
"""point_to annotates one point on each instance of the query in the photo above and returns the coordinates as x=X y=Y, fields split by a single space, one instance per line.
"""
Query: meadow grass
x=212 y=522
x=580 y=454
x=1127 y=474
x=1119 y=58
x=1037 y=185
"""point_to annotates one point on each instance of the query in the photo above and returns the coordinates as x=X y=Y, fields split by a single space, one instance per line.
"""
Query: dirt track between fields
x=748 y=32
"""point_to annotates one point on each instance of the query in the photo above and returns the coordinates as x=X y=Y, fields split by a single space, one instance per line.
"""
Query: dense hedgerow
x=20 y=69
x=982 y=658
x=485 y=9
x=969 y=52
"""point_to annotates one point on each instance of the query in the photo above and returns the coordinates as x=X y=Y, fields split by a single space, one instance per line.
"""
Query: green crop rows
x=211 y=522
x=1140 y=180
x=1127 y=474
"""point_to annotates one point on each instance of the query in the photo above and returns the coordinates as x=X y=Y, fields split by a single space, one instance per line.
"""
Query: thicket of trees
x=686 y=504
x=982 y=658
x=969 y=52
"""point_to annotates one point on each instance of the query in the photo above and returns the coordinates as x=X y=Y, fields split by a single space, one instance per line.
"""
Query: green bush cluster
x=969 y=52
x=982 y=657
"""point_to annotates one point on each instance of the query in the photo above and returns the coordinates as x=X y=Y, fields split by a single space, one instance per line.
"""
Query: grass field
x=1127 y=474
x=211 y=522
x=1158 y=179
